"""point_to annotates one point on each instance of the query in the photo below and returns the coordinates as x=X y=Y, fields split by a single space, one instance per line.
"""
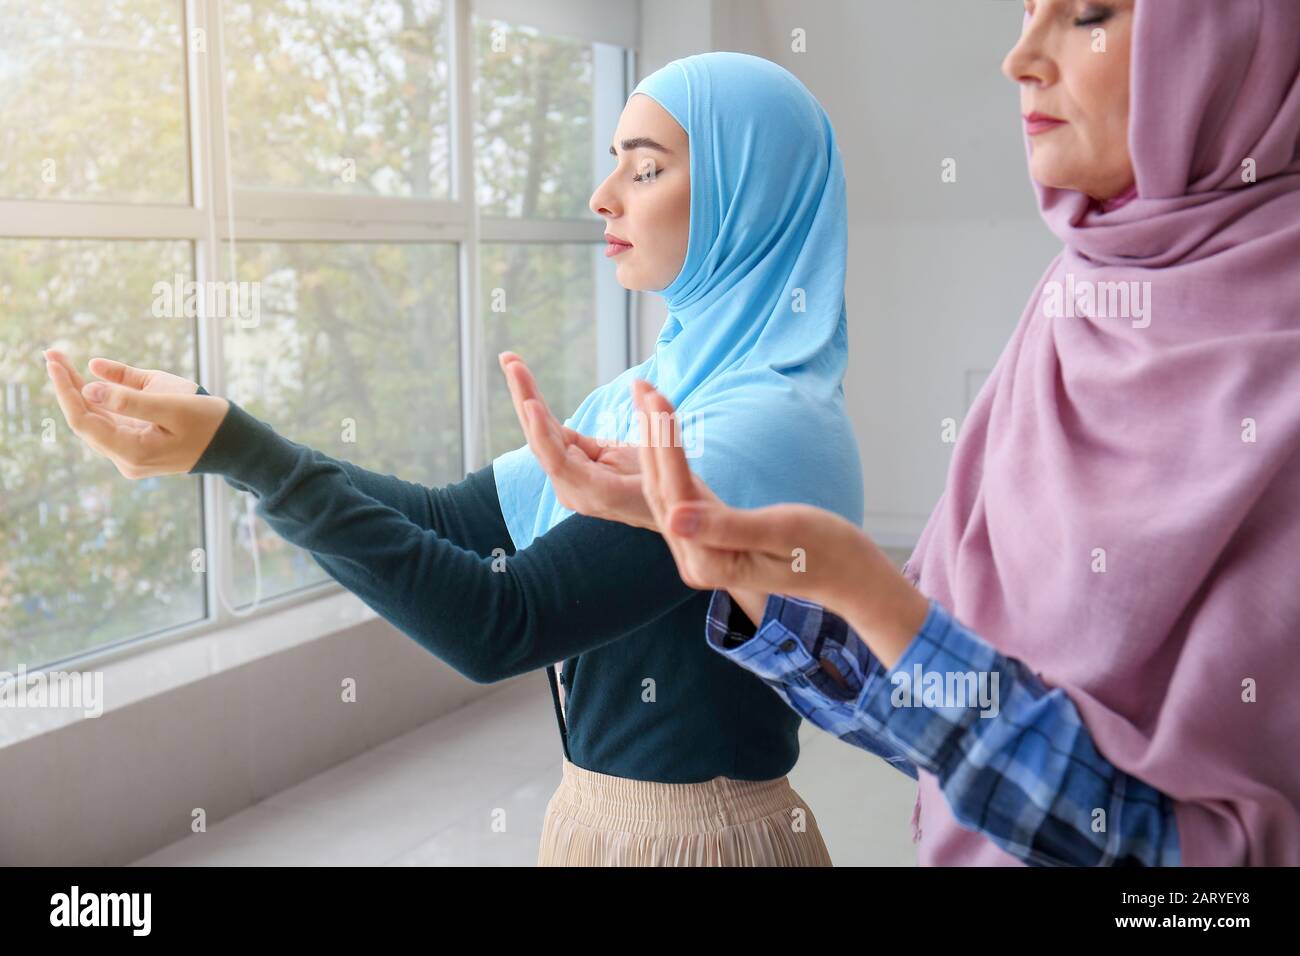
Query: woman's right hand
x=146 y=422
x=142 y=379
x=589 y=476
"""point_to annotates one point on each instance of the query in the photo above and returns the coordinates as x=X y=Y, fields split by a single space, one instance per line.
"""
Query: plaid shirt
x=1012 y=756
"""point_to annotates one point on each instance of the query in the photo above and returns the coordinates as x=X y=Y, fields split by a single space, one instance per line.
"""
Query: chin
x=629 y=280
x=1051 y=174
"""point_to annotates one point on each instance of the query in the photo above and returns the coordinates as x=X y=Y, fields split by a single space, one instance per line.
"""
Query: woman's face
x=646 y=200
x=1074 y=93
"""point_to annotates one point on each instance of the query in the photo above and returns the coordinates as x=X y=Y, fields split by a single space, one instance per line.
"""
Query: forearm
x=583 y=584
x=446 y=510
x=883 y=608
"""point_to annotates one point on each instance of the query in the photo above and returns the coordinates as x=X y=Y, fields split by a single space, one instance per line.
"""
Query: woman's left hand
x=144 y=432
x=589 y=475
x=793 y=549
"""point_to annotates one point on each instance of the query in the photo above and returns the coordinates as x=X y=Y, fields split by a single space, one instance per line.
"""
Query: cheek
x=682 y=219
x=668 y=226
x=1105 y=94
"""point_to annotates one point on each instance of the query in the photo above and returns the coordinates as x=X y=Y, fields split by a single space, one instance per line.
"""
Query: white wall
x=939 y=273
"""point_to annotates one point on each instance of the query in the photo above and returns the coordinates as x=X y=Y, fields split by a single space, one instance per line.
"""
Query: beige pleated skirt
x=595 y=819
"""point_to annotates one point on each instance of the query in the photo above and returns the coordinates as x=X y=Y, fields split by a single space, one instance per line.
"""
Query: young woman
x=727 y=197
x=1116 y=552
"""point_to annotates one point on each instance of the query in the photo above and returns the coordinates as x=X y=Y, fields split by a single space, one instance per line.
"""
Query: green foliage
x=359 y=336
x=86 y=557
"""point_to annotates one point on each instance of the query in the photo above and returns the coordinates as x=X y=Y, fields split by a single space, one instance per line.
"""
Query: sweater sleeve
x=458 y=512
x=488 y=611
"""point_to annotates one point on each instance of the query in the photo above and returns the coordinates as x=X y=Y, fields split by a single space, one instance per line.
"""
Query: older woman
x=1116 y=552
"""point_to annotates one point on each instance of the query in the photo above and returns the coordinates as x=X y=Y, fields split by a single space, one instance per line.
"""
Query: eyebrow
x=640 y=142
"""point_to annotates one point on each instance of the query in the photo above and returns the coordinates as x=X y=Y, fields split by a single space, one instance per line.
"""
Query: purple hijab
x=1122 y=511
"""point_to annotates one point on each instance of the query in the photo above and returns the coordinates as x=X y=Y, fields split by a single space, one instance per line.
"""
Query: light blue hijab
x=753 y=352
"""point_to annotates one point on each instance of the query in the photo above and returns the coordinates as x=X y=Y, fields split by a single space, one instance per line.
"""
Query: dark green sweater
x=646 y=697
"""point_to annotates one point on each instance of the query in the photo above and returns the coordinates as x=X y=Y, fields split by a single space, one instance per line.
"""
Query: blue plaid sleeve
x=787 y=654
x=1013 y=757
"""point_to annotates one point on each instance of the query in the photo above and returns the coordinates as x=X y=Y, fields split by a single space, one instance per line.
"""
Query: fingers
x=86 y=423
x=591 y=446
x=111 y=371
x=685 y=552
x=666 y=476
x=523 y=386
x=714 y=525
x=650 y=488
x=726 y=547
x=675 y=479
x=539 y=430
x=523 y=389
x=57 y=356
x=517 y=370
x=163 y=410
x=508 y=362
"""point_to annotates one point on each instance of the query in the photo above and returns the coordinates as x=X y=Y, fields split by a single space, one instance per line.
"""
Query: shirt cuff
x=250 y=452
x=774 y=652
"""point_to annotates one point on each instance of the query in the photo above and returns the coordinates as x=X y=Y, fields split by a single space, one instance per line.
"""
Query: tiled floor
x=431 y=798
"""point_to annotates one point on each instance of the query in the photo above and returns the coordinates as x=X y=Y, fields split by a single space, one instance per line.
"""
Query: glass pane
x=533 y=139
x=356 y=352
x=539 y=300
x=86 y=556
x=344 y=97
x=92 y=93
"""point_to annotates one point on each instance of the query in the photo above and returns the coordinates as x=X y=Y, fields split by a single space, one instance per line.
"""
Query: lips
x=1036 y=123
x=614 y=245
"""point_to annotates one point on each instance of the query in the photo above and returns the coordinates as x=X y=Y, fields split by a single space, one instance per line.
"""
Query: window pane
x=533 y=137
x=539 y=300
x=86 y=556
x=346 y=97
x=356 y=352
x=92 y=95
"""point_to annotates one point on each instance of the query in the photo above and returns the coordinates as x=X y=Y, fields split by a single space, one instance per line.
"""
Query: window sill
x=164 y=667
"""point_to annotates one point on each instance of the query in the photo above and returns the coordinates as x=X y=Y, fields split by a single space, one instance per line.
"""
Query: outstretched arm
x=583 y=584
x=446 y=510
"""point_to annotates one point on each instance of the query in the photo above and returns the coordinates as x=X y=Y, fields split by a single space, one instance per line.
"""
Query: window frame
x=285 y=215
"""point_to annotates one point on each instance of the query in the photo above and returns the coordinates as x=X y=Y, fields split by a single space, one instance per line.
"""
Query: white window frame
x=290 y=215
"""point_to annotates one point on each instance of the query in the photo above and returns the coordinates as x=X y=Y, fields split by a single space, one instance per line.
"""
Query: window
x=340 y=97
x=86 y=557
x=403 y=186
x=539 y=301
x=92 y=97
x=547 y=109
x=356 y=353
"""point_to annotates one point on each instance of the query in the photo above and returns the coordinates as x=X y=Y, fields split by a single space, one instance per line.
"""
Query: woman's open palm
x=145 y=380
x=589 y=475
x=147 y=422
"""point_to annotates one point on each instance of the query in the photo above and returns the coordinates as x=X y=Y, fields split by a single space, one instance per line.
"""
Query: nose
x=604 y=201
x=1027 y=61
